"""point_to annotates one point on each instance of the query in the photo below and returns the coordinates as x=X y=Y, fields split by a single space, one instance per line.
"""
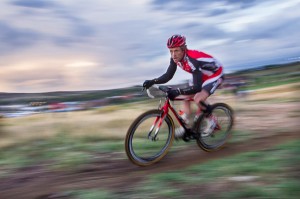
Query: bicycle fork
x=157 y=123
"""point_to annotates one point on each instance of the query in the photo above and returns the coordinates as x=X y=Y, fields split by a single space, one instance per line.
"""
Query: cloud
x=28 y=78
x=12 y=38
x=206 y=7
x=254 y=35
x=127 y=42
x=34 y=3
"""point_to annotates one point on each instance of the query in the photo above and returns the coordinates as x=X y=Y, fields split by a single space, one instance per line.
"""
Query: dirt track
x=37 y=182
x=120 y=174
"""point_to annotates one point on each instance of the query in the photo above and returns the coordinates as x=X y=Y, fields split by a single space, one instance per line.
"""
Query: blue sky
x=51 y=45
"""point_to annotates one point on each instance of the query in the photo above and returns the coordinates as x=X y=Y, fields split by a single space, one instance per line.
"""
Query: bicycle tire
x=210 y=141
x=138 y=144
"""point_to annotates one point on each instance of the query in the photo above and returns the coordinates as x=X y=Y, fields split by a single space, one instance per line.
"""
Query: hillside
x=64 y=96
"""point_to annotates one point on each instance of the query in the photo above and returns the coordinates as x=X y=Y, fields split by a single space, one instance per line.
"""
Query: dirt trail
x=37 y=182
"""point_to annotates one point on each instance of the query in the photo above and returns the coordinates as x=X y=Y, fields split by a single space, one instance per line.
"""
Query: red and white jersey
x=204 y=68
x=197 y=60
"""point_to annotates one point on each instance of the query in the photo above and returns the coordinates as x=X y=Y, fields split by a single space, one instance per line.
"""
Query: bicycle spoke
x=215 y=129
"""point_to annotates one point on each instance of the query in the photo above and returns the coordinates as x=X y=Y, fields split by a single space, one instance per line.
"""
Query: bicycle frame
x=165 y=111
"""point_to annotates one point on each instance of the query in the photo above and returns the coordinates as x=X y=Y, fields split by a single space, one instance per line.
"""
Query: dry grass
x=289 y=91
x=98 y=123
x=112 y=122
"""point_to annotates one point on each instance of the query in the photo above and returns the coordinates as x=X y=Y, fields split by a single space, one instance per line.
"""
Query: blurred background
x=70 y=86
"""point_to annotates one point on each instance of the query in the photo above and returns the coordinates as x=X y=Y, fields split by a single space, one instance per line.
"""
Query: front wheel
x=149 y=138
x=214 y=129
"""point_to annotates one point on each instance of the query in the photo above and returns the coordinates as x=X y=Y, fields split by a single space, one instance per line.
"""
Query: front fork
x=157 y=123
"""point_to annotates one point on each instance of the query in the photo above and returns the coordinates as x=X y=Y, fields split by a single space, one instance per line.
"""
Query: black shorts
x=211 y=85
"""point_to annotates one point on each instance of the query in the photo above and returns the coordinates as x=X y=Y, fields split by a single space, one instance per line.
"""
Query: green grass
x=272 y=168
x=155 y=189
x=266 y=84
x=286 y=188
x=248 y=192
x=62 y=151
x=240 y=136
x=93 y=194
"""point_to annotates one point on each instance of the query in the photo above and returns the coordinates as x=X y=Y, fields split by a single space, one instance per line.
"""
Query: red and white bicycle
x=151 y=135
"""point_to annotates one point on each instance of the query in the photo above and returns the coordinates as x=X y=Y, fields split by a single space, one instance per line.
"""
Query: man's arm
x=197 y=81
x=168 y=75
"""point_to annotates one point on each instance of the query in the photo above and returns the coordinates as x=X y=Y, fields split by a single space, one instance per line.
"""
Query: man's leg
x=201 y=97
x=186 y=107
x=206 y=91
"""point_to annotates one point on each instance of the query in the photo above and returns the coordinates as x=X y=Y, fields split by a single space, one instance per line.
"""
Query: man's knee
x=197 y=100
x=201 y=96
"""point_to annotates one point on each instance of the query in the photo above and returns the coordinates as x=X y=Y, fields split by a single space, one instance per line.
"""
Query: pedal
x=190 y=135
x=186 y=138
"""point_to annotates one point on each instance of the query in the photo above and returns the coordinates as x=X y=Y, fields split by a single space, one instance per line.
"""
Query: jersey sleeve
x=168 y=75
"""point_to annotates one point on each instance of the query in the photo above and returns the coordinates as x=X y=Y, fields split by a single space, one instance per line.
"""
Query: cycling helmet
x=176 y=41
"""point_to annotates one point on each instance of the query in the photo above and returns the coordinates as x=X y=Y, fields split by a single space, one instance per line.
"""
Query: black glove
x=148 y=83
x=172 y=94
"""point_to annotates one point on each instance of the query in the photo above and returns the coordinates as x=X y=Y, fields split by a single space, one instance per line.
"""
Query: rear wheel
x=215 y=128
x=141 y=145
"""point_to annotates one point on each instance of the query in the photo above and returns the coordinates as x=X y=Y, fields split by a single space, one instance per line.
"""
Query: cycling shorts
x=210 y=85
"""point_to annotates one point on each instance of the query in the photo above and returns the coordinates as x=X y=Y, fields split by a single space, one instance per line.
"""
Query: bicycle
x=151 y=135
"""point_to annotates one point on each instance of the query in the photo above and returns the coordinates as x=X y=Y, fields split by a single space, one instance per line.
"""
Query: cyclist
x=206 y=71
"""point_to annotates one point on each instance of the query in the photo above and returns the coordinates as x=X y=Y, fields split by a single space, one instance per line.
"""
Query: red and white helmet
x=176 y=41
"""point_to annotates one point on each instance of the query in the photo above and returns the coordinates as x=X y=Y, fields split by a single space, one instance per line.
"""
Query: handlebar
x=148 y=91
x=149 y=94
x=165 y=89
x=162 y=88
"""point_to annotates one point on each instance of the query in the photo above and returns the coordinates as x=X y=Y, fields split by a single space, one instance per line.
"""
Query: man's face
x=177 y=54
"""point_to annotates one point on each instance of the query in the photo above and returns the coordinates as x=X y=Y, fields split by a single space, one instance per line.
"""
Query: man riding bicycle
x=207 y=75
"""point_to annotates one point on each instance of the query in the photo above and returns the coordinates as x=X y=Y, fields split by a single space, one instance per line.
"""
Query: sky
x=72 y=45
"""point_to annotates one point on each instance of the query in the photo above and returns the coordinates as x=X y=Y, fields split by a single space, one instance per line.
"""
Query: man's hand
x=172 y=94
x=148 y=83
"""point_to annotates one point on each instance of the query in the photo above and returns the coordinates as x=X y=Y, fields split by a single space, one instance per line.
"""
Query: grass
x=67 y=141
x=272 y=83
x=61 y=152
x=93 y=194
x=73 y=138
x=272 y=171
x=80 y=124
x=271 y=167
x=111 y=122
x=274 y=168
x=240 y=136
x=155 y=189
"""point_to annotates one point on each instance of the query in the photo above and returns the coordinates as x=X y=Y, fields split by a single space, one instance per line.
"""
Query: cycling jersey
x=204 y=68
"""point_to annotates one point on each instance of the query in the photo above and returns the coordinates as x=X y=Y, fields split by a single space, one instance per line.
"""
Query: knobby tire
x=137 y=132
x=202 y=141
